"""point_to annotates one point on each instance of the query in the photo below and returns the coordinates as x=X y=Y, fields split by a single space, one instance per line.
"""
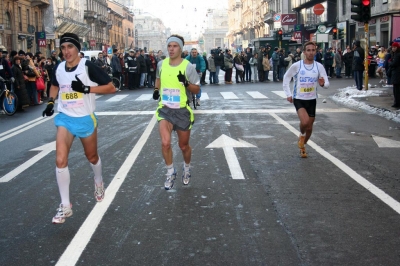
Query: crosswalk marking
x=204 y=96
x=280 y=93
x=145 y=97
x=256 y=95
x=228 y=95
x=117 y=98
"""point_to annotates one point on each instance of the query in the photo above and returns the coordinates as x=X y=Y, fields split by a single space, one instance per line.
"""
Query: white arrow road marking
x=227 y=144
x=145 y=97
x=117 y=98
x=379 y=193
x=386 y=143
x=45 y=149
x=256 y=95
x=81 y=239
x=229 y=95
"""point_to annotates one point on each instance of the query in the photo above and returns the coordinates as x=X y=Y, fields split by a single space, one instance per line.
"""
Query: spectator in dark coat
x=348 y=62
x=203 y=74
x=260 y=68
x=19 y=85
x=358 y=64
x=219 y=64
x=395 y=74
x=328 y=62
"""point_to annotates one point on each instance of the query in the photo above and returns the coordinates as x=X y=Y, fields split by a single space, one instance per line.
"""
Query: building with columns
x=150 y=31
x=216 y=28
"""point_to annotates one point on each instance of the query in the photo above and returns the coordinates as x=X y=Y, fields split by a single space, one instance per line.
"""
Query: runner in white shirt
x=307 y=75
x=76 y=81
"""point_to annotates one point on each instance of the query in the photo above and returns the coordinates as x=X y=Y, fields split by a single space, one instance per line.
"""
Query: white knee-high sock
x=63 y=180
x=98 y=172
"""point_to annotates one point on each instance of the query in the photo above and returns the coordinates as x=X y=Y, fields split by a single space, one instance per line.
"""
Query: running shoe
x=303 y=153
x=62 y=213
x=300 y=143
x=186 y=176
x=198 y=102
x=169 y=182
x=99 y=192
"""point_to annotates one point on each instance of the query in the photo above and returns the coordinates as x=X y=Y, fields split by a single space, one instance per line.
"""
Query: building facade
x=150 y=32
x=19 y=21
x=216 y=28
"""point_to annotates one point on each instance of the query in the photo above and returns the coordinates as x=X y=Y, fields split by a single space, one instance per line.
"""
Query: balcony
x=40 y=3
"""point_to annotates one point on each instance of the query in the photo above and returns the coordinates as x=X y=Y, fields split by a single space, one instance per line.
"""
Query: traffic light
x=341 y=34
x=335 y=33
x=280 y=33
x=29 y=42
x=362 y=10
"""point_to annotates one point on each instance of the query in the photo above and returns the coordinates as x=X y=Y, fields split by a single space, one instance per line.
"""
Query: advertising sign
x=288 y=19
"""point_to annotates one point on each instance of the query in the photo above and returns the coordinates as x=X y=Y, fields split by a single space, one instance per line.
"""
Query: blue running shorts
x=80 y=127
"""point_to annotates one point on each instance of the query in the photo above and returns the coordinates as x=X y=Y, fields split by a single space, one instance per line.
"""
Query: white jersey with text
x=305 y=80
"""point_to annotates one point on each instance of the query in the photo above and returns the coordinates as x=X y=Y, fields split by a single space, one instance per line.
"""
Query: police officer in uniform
x=131 y=64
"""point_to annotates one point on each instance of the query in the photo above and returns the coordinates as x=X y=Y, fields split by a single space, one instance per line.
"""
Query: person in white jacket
x=308 y=75
x=254 y=64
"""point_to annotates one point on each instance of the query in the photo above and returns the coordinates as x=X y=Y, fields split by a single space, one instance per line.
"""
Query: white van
x=90 y=54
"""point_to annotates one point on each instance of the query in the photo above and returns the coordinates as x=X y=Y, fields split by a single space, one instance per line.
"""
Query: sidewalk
x=377 y=100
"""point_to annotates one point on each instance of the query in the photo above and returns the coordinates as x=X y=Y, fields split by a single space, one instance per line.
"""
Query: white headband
x=175 y=39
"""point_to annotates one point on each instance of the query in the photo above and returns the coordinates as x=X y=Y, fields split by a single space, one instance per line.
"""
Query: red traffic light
x=334 y=30
x=280 y=32
x=366 y=2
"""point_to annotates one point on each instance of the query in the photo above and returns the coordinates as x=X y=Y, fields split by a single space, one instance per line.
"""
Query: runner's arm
x=291 y=72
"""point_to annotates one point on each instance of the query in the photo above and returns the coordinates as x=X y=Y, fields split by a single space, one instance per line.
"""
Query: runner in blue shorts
x=75 y=81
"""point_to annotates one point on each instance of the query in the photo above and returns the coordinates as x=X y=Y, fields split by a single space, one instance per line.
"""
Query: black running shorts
x=309 y=105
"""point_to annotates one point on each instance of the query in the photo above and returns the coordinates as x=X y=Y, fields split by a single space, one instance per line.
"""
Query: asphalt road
x=251 y=201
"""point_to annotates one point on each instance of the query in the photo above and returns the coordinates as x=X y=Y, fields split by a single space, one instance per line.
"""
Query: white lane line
x=145 y=97
x=280 y=93
x=21 y=126
x=204 y=96
x=117 y=98
x=98 y=96
x=256 y=95
x=38 y=122
x=228 y=95
x=392 y=203
x=85 y=232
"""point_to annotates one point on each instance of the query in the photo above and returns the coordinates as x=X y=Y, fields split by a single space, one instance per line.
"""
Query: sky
x=186 y=16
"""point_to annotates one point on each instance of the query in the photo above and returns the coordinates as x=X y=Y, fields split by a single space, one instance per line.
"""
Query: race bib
x=70 y=98
x=171 y=98
x=307 y=92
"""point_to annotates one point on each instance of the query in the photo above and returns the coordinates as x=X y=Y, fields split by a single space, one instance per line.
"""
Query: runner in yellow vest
x=175 y=80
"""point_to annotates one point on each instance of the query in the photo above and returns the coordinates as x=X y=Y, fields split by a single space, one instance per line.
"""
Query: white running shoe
x=99 y=192
x=169 y=182
x=62 y=213
x=186 y=176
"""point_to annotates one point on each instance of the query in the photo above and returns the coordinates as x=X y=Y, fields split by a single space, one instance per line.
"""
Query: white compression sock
x=186 y=167
x=98 y=173
x=170 y=169
x=63 y=180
